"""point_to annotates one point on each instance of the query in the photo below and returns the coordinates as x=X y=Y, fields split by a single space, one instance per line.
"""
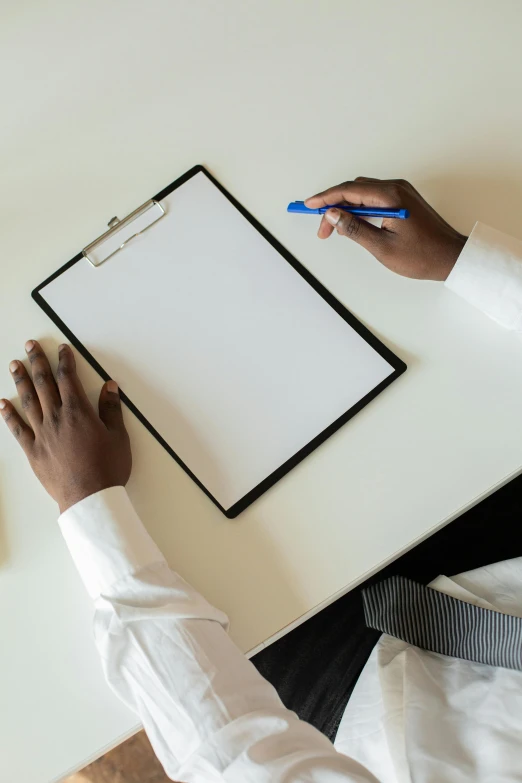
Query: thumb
x=351 y=226
x=109 y=407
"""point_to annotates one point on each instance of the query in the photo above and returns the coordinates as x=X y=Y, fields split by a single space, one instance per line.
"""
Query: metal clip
x=113 y=240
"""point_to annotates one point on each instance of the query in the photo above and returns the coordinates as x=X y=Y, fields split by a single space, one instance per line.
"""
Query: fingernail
x=29 y=346
x=61 y=347
x=332 y=216
x=112 y=387
x=3 y=403
x=13 y=367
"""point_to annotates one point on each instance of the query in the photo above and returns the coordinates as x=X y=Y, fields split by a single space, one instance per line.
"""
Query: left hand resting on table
x=73 y=451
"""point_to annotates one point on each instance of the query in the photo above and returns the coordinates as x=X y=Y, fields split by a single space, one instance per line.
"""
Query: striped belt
x=438 y=622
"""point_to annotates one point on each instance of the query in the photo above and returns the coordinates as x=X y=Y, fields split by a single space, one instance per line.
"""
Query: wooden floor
x=131 y=762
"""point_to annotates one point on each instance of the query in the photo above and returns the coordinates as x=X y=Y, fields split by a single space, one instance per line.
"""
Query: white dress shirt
x=413 y=716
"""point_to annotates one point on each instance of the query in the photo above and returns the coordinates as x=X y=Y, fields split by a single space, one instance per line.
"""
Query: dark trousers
x=315 y=667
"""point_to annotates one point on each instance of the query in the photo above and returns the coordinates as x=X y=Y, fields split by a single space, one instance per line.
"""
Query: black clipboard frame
x=398 y=365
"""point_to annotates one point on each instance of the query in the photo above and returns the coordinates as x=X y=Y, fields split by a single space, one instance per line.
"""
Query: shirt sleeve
x=208 y=713
x=488 y=274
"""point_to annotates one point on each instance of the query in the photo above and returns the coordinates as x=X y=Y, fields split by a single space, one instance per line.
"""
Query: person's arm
x=485 y=269
x=488 y=274
x=207 y=711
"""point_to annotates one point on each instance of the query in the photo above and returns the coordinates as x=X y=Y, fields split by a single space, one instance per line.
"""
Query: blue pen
x=383 y=212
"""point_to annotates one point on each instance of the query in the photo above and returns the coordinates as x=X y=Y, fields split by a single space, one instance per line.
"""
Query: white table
x=105 y=103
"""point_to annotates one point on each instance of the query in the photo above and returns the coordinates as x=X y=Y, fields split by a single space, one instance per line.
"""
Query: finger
x=17 y=426
x=26 y=392
x=70 y=387
x=325 y=229
x=368 y=194
x=110 y=407
x=360 y=231
x=43 y=378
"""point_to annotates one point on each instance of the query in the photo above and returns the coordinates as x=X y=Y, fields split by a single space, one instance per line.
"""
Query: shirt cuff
x=107 y=539
x=488 y=275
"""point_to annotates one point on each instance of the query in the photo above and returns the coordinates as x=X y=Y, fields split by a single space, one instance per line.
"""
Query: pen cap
x=299 y=206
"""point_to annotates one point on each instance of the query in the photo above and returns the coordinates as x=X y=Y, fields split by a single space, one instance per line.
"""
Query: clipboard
x=254 y=362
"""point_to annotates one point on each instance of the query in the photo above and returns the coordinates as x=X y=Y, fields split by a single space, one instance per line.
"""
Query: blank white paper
x=226 y=350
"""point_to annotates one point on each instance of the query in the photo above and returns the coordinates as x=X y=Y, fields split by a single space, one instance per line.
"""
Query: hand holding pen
x=414 y=240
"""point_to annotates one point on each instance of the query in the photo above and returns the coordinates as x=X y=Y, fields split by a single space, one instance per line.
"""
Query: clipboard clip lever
x=121 y=232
